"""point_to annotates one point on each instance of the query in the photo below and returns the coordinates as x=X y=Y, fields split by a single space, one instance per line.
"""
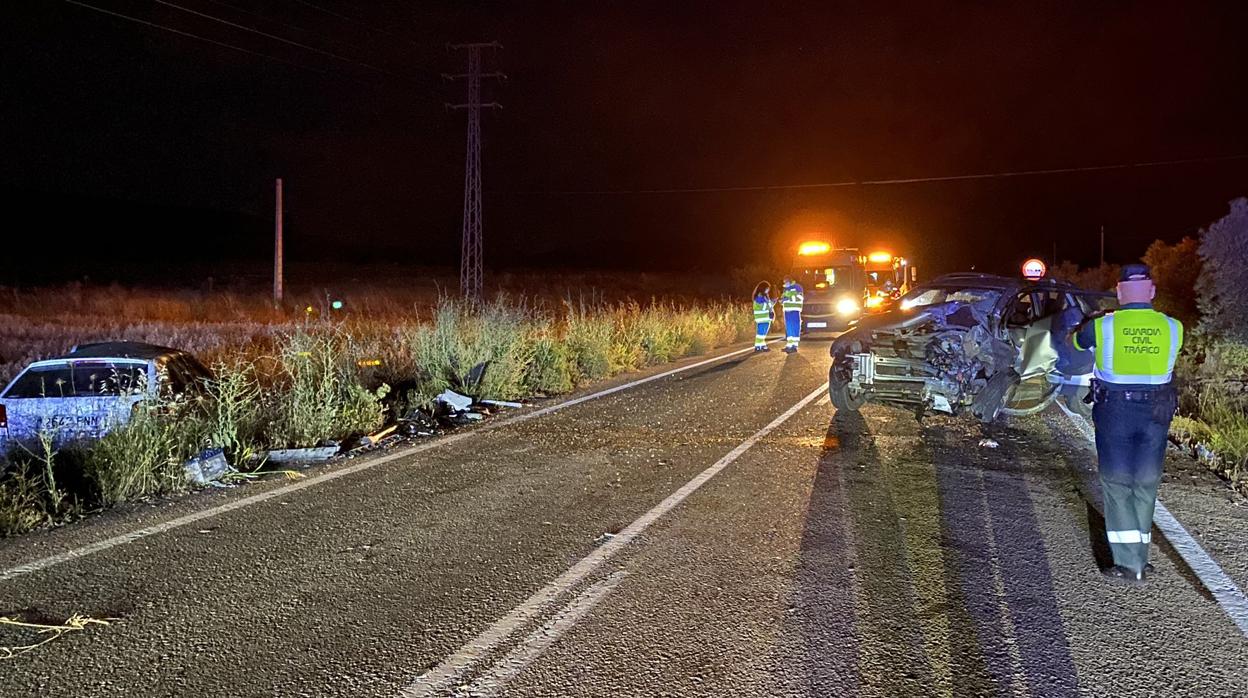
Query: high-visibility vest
x=762 y=308
x=1137 y=347
x=791 y=298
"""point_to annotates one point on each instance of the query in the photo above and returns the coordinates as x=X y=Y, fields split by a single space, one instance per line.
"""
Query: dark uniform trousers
x=1131 y=430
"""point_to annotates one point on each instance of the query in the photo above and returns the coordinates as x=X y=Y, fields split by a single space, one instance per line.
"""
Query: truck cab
x=842 y=284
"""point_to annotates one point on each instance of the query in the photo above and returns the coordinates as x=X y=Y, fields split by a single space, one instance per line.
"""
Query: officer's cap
x=1135 y=272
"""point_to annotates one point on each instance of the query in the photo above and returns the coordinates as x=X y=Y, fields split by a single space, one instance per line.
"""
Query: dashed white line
x=443 y=678
x=1222 y=587
x=132 y=536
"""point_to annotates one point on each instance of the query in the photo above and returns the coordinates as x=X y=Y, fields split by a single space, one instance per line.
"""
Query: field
x=309 y=373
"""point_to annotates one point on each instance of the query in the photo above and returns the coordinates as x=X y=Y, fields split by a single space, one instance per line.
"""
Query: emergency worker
x=791 y=299
x=1135 y=349
x=764 y=313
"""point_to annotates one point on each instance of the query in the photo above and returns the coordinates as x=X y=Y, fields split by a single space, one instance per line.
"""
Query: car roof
x=997 y=282
x=120 y=350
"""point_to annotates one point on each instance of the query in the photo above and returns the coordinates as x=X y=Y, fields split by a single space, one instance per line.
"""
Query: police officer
x=764 y=313
x=791 y=299
x=1135 y=349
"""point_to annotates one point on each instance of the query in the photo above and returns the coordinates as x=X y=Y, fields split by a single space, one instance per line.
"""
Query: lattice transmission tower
x=471 y=275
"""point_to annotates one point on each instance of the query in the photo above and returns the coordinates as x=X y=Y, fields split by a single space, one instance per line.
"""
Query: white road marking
x=1223 y=588
x=440 y=680
x=538 y=641
x=282 y=491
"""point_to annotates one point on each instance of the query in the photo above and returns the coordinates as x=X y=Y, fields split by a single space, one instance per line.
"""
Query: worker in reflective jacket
x=1135 y=349
x=764 y=313
x=791 y=299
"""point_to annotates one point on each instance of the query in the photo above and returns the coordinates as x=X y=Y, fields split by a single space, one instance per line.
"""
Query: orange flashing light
x=880 y=257
x=813 y=248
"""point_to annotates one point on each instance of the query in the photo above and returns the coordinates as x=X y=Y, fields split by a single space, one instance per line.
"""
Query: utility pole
x=471 y=249
x=279 y=290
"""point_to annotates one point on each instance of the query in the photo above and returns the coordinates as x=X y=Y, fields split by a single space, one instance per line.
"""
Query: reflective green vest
x=1137 y=347
x=762 y=309
x=791 y=298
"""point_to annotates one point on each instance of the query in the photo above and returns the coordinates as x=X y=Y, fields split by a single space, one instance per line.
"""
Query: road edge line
x=441 y=678
x=1224 y=590
x=331 y=475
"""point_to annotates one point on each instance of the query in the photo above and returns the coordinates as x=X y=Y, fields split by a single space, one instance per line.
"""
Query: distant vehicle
x=988 y=344
x=842 y=285
x=92 y=390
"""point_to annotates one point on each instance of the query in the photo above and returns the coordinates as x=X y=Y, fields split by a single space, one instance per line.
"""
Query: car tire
x=843 y=395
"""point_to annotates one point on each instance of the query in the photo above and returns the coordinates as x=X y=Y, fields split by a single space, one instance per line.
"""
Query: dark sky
x=121 y=139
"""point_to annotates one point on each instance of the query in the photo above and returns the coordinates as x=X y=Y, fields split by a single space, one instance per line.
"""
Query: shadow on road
x=999 y=562
x=923 y=574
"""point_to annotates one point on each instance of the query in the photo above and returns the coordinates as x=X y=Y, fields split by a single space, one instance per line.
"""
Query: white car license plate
x=816 y=324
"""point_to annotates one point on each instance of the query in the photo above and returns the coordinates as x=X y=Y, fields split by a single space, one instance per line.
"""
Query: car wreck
x=92 y=390
x=978 y=343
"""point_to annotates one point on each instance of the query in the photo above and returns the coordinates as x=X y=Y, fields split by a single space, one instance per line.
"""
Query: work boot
x=1121 y=575
x=765 y=348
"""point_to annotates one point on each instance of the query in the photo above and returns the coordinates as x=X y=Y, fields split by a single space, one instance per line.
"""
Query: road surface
x=715 y=532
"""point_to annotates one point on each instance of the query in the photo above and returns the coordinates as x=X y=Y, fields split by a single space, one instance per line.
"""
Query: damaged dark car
x=970 y=343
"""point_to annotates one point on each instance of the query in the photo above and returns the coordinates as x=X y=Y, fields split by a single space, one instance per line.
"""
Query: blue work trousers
x=792 y=327
x=1131 y=429
x=760 y=334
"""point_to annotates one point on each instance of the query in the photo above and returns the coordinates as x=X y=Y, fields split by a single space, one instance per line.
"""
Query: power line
x=275 y=37
x=288 y=25
x=353 y=20
x=197 y=37
x=905 y=180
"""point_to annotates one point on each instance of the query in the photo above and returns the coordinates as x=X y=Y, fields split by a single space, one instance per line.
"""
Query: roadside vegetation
x=321 y=379
x=1203 y=281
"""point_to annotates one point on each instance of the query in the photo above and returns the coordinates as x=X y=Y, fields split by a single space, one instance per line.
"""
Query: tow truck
x=842 y=284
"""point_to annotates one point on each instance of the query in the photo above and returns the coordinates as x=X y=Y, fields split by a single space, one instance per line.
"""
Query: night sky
x=131 y=151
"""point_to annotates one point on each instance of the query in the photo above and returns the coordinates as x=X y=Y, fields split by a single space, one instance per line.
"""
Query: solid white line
x=443 y=677
x=540 y=640
x=107 y=543
x=1223 y=588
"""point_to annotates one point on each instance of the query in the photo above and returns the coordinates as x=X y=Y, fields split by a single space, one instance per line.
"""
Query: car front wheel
x=843 y=394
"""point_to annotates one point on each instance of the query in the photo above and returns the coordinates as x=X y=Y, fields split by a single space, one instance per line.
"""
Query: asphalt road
x=855 y=554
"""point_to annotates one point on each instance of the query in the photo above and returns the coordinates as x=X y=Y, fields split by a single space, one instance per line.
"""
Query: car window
x=932 y=296
x=80 y=379
x=184 y=374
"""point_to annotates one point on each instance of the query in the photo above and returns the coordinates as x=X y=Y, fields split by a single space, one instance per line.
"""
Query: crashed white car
x=91 y=390
x=978 y=343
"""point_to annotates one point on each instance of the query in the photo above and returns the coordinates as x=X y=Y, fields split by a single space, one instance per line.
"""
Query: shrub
x=1175 y=269
x=1222 y=287
x=320 y=398
x=146 y=456
x=550 y=370
x=589 y=337
x=1228 y=427
x=462 y=338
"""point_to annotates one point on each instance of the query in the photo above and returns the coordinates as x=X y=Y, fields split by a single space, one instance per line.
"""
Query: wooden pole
x=279 y=290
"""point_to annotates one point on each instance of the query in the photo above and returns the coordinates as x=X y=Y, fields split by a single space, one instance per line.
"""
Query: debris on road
x=988 y=443
x=455 y=401
x=374 y=439
x=503 y=403
x=314 y=454
x=207 y=467
x=73 y=623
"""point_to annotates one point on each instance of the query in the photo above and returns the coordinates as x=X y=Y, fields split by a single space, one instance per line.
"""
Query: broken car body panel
x=986 y=344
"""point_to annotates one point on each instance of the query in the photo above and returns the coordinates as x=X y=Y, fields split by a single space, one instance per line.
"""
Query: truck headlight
x=847 y=306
